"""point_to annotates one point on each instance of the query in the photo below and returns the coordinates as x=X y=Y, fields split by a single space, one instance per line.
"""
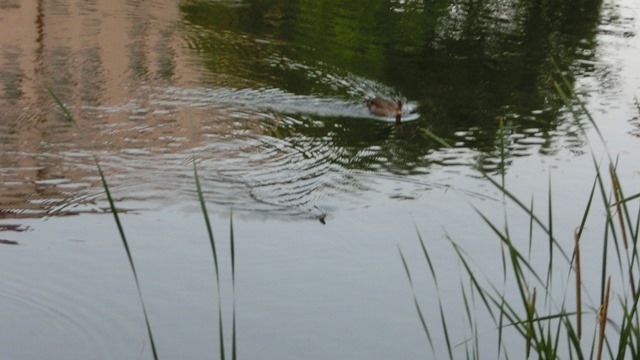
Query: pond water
x=268 y=98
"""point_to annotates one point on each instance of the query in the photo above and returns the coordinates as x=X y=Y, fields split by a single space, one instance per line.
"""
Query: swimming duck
x=382 y=107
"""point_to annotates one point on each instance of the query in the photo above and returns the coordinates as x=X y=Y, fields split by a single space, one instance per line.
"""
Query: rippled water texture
x=269 y=99
x=272 y=108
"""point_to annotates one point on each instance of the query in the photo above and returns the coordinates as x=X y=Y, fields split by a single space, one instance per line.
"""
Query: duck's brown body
x=382 y=107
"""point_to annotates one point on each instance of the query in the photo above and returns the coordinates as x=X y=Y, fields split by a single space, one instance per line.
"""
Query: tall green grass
x=205 y=213
x=550 y=325
x=125 y=244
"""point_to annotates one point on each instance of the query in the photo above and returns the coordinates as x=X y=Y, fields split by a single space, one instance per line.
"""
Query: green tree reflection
x=464 y=63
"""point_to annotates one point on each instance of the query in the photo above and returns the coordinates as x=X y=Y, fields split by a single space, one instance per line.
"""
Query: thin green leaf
x=125 y=243
x=435 y=137
x=234 y=351
x=203 y=207
x=415 y=301
x=67 y=114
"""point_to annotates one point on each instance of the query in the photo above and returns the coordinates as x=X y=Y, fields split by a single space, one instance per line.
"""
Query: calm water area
x=269 y=98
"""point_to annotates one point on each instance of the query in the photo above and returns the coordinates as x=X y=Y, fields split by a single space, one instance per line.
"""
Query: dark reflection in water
x=463 y=63
x=269 y=97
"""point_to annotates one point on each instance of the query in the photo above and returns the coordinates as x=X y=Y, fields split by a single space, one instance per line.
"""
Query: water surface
x=268 y=98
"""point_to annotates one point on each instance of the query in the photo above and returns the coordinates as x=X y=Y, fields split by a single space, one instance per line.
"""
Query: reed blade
x=207 y=221
x=125 y=243
x=67 y=114
x=423 y=322
x=550 y=234
x=233 y=284
x=435 y=137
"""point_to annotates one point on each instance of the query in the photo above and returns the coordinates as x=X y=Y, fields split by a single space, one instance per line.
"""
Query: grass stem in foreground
x=114 y=211
x=203 y=207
